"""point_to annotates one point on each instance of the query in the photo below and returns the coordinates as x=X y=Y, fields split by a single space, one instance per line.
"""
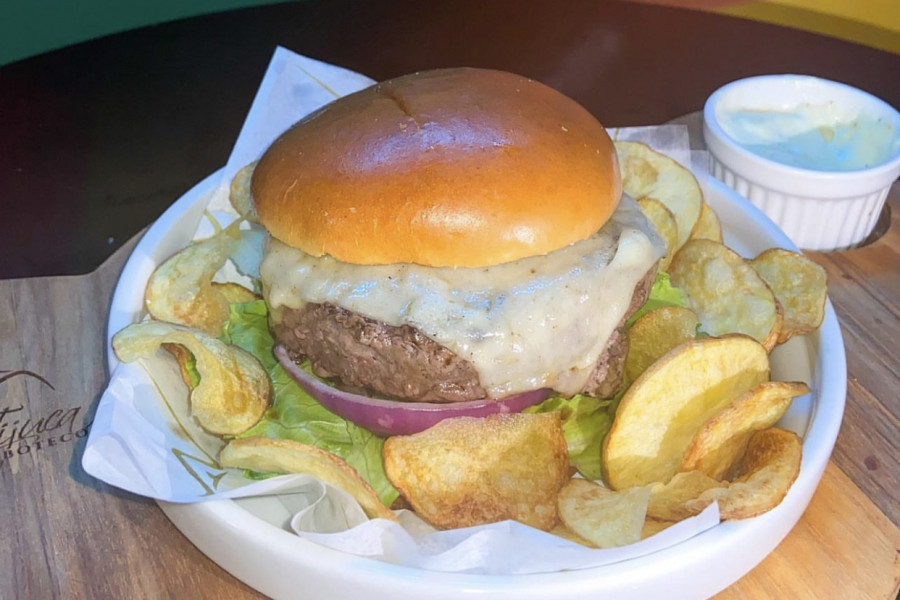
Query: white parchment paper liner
x=143 y=439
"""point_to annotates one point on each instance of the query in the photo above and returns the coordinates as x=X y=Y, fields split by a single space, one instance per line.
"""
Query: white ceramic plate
x=249 y=538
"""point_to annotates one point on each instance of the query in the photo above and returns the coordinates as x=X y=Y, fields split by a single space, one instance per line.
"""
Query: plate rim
x=670 y=564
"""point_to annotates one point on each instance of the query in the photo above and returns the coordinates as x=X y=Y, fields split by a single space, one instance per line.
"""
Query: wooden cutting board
x=842 y=548
x=65 y=535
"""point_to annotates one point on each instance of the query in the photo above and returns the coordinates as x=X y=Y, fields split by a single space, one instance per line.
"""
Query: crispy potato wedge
x=800 y=286
x=662 y=411
x=724 y=438
x=762 y=478
x=468 y=471
x=239 y=193
x=727 y=294
x=181 y=291
x=668 y=501
x=233 y=391
x=708 y=226
x=646 y=172
x=656 y=333
x=606 y=518
x=664 y=222
x=267 y=455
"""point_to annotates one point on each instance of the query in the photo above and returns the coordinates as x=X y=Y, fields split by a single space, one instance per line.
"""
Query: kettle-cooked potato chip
x=799 y=284
x=234 y=389
x=267 y=455
x=468 y=471
x=724 y=438
x=239 y=194
x=653 y=526
x=664 y=222
x=650 y=528
x=727 y=294
x=567 y=534
x=235 y=293
x=606 y=518
x=668 y=502
x=646 y=172
x=662 y=411
x=762 y=478
x=708 y=226
x=655 y=333
x=180 y=290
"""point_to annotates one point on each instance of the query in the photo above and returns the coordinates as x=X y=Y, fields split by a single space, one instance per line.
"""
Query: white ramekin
x=818 y=210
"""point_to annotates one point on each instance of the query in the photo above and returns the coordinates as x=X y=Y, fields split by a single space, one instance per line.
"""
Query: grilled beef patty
x=404 y=364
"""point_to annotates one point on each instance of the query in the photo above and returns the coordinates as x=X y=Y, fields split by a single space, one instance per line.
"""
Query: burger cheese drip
x=538 y=322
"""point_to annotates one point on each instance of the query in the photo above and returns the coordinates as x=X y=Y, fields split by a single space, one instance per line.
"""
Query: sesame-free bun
x=453 y=167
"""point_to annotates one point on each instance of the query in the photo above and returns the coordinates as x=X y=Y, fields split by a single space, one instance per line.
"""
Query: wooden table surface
x=99 y=138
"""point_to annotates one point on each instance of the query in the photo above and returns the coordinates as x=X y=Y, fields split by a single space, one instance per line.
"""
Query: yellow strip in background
x=874 y=23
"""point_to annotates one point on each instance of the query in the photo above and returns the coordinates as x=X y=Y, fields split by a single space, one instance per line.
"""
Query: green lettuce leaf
x=190 y=367
x=295 y=415
x=585 y=422
x=663 y=293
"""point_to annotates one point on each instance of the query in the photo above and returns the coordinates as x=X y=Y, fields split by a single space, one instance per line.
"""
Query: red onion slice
x=391 y=417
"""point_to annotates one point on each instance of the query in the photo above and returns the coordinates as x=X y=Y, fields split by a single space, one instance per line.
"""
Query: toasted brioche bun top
x=453 y=167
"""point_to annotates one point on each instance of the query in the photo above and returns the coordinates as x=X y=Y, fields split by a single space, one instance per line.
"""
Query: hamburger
x=452 y=236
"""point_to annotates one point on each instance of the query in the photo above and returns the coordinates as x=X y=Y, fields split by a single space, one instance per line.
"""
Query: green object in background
x=30 y=27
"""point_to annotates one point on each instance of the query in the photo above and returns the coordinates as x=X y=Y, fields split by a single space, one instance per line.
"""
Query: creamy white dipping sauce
x=821 y=137
x=533 y=323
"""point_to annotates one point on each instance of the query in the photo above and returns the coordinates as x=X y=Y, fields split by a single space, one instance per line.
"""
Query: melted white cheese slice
x=537 y=322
